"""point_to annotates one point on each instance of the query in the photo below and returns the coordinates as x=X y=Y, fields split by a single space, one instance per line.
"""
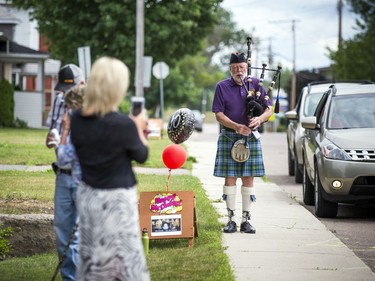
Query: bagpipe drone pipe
x=255 y=103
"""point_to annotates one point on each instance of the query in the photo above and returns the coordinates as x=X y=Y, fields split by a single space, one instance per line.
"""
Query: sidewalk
x=290 y=243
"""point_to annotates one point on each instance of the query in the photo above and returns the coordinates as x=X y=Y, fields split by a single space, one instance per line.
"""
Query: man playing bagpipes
x=241 y=105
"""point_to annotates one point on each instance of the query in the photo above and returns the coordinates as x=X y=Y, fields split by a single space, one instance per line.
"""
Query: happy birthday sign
x=166 y=203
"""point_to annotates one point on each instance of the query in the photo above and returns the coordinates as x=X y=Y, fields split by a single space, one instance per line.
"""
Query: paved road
x=354 y=225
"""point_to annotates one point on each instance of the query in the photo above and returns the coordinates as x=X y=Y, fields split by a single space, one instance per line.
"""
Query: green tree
x=175 y=31
x=195 y=76
x=225 y=36
x=187 y=35
x=172 y=28
x=185 y=84
x=353 y=59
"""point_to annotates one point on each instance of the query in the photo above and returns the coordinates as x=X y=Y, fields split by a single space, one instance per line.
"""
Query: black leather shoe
x=247 y=227
x=230 y=227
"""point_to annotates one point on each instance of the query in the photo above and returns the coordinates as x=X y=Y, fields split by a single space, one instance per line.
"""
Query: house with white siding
x=25 y=62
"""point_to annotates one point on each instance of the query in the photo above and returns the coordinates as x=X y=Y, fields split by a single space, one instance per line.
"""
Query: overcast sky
x=316 y=27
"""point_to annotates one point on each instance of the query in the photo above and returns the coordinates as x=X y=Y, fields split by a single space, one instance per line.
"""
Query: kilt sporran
x=240 y=151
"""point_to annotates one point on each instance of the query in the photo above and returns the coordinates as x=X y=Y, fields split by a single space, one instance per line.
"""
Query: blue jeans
x=64 y=221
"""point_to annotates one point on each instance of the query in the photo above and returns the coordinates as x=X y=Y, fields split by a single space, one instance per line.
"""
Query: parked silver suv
x=306 y=105
x=339 y=149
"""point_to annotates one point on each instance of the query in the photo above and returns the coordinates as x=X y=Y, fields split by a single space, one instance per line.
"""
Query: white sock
x=229 y=196
x=248 y=198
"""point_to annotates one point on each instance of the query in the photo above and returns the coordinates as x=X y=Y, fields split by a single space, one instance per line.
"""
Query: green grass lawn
x=27 y=147
x=169 y=259
x=24 y=147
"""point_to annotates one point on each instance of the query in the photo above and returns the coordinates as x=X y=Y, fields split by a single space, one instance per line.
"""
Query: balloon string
x=169 y=176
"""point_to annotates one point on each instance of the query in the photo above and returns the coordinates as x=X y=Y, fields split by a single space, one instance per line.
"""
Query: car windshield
x=352 y=111
x=311 y=103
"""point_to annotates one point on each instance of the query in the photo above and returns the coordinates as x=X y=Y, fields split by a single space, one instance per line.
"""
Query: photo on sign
x=166 y=225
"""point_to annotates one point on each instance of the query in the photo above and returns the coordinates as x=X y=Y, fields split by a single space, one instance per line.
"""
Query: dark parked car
x=306 y=105
x=199 y=118
x=339 y=149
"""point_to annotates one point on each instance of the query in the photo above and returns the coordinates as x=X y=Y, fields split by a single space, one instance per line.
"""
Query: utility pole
x=294 y=75
x=270 y=54
x=339 y=10
x=256 y=49
x=139 y=49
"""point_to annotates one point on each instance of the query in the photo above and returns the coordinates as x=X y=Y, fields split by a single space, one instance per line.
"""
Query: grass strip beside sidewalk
x=169 y=259
x=32 y=192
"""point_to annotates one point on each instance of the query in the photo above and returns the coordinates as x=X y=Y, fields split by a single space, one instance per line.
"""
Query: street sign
x=84 y=59
x=147 y=63
x=160 y=70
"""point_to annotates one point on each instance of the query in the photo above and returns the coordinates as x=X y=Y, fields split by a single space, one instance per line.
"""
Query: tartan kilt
x=225 y=166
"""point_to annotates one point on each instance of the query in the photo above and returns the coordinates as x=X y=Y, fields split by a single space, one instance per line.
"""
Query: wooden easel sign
x=168 y=215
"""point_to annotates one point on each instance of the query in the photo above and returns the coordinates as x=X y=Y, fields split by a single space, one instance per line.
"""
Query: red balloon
x=174 y=156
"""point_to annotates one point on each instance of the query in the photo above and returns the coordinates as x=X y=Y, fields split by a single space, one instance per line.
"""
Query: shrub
x=5 y=246
x=124 y=106
x=6 y=104
x=18 y=123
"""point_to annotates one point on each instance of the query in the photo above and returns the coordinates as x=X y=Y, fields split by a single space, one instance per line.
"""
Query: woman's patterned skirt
x=110 y=246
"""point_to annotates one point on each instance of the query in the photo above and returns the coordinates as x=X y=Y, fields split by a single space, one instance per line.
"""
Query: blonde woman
x=106 y=143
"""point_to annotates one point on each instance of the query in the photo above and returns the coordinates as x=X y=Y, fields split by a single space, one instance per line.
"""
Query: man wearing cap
x=65 y=215
x=229 y=106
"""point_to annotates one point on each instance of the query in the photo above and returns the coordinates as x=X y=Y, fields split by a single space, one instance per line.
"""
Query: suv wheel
x=323 y=208
x=307 y=189
x=290 y=163
x=298 y=176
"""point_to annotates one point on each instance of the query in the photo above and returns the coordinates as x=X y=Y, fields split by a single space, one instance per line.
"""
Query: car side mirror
x=309 y=123
x=291 y=115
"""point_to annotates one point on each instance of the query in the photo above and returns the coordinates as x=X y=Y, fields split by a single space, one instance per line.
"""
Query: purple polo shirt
x=230 y=99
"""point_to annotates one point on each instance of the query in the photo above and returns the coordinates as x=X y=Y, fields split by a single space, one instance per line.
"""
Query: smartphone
x=138 y=104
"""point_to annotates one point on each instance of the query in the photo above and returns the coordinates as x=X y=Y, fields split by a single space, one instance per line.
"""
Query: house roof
x=10 y=51
x=13 y=52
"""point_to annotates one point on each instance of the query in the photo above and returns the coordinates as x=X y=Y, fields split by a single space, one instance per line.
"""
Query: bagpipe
x=255 y=103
